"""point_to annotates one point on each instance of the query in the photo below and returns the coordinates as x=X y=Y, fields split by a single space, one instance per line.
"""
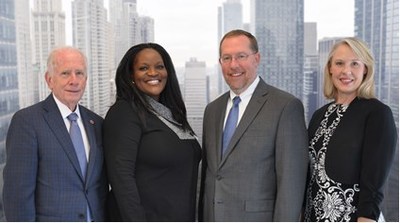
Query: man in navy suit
x=43 y=180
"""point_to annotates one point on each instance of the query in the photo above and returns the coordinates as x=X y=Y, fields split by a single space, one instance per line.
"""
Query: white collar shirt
x=65 y=111
x=245 y=97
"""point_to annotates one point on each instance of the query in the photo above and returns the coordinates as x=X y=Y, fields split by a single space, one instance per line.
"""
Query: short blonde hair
x=362 y=52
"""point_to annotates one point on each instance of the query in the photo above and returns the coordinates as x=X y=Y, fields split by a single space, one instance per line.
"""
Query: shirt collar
x=249 y=91
x=65 y=111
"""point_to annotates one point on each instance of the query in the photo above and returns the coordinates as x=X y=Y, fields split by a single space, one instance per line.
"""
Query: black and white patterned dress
x=328 y=200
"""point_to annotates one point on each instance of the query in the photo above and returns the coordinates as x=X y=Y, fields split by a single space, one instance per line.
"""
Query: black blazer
x=153 y=173
x=361 y=150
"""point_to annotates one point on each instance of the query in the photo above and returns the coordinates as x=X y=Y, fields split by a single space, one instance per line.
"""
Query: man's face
x=238 y=63
x=67 y=80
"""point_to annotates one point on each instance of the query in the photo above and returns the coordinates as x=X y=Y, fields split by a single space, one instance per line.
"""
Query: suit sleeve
x=121 y=137
x=291 y=162
x=20 y=171
x=379 y=149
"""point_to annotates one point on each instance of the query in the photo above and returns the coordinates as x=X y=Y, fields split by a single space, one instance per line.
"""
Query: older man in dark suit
x=254 y=143
x=54 y=169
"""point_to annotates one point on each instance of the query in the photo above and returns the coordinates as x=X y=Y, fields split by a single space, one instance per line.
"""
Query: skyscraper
x=9 y=101
x=195 y=95
x=129 y=27
x=27 y=81
x=48 y=32
x=377 y=23
x=324 y=47
x=310 y=70
x=279 y=28
x=230 y=16
x=90 y=26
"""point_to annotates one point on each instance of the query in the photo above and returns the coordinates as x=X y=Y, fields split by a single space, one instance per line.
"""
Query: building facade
x=279 y=28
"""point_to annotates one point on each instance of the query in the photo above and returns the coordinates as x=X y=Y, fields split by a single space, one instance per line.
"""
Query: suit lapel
x=256 y=102
x=89 y=123
x=57 y=125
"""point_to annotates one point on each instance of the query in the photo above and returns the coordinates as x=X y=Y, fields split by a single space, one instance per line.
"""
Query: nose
x=347 y=69
x=152 y=72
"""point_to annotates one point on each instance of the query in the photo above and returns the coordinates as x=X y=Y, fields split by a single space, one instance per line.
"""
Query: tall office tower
x=27 y=82
x=9 y=99
x=147 y=29
x=279 y=28
x=48 y=32
x=129 y=28
x=8 y=77
x=90 y=26
x=230 y=16
x=377 y=23
x=324 y=47
x=310 y=70
x=196 y=93
x=390 y=89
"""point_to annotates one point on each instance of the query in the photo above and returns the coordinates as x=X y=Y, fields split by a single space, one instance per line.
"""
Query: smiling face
x=149 y=73
x=347 y=73
x=239 y=73
x=67 y=77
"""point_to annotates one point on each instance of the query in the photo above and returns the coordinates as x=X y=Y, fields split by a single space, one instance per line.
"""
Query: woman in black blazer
x=152 y=154
x=352 y=140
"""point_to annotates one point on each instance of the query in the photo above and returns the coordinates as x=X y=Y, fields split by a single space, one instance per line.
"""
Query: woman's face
x=347 y=73
x=149 y=73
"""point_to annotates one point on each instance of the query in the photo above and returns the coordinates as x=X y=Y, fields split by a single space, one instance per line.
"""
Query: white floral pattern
x=327 y=200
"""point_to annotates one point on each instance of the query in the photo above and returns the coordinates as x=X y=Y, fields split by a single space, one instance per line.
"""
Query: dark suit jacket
x=361 y=151
x=263 y=173
x=152 y=172
x=42 y=177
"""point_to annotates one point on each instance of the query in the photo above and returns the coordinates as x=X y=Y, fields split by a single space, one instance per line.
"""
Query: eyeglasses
x=240 y=57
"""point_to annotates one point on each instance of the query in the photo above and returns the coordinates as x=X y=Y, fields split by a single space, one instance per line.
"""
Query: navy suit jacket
x=42 y=177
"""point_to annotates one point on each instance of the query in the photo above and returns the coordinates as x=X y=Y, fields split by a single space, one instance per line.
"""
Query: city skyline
x=194 y=29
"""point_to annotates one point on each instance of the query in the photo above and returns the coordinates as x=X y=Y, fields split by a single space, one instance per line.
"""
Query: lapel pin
x=91 y=122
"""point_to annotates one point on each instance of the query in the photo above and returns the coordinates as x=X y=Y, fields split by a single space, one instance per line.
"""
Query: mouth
x=73 y=91
x=153 y=81
x=346 y=80
x=237 y=74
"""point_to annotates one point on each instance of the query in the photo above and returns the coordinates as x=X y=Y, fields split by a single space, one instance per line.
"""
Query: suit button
x=82 y=216
x=219 y=177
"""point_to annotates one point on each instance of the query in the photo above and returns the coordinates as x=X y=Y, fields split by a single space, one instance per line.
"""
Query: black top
x=152 y=172
x=351 y=152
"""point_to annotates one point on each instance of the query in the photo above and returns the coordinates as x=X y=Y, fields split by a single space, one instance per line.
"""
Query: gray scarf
x=165 y=115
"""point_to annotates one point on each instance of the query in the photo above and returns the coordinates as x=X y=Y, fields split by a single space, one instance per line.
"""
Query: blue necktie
x=76 y=137
x=77 y=140
x=230 y=124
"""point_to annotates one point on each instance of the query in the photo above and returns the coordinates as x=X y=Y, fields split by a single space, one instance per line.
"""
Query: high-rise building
x=129 y=28
x=27 y=81
x=279 y=28
x=195 y=95
x=90 y=34
x=377 y=23
x=9 y=99
x=324 y=47
x=147 y=29
x=310 y=70
x=230 y=16
x=48 y=32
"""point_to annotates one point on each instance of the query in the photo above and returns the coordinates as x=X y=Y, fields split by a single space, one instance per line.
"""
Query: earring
x=133 y=82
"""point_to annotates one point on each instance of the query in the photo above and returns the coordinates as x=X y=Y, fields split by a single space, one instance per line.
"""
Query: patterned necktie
x=77 y=140
x=230 y=124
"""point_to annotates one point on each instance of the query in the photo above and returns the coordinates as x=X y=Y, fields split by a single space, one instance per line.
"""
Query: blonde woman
x=352 y=140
